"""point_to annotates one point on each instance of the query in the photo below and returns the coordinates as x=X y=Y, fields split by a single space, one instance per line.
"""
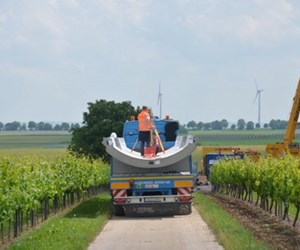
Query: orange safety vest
x=144 y=121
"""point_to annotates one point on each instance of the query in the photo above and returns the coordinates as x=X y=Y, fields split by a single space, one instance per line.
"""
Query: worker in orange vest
x=144 y=128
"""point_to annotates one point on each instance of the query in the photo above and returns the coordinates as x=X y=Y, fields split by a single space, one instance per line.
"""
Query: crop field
x=61 y=139
x=237 y=132
x=240 y=137
x=34 y=143
x=34 y=139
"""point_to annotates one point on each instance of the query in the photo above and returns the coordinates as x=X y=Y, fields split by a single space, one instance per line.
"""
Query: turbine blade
x=256 y=84
x=257 y=93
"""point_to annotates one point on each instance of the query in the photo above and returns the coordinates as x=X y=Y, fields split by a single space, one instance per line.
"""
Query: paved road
x=173 y=233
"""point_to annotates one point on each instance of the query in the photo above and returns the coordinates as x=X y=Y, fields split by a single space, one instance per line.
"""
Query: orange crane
x=288 y=145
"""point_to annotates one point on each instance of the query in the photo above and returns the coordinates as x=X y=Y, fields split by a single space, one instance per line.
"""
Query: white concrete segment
x=116 y=147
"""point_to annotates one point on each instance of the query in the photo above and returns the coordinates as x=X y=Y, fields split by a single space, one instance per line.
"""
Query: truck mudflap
x=157 y=209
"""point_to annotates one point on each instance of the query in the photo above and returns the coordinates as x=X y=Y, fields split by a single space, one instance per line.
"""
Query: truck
x=288 y=145
x=156 y=184
x=212 y=155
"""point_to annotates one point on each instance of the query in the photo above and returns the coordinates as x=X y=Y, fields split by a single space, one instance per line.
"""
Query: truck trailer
x=160 y=182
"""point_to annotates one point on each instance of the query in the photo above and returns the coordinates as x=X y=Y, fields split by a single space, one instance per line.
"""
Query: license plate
x=151 y=186
x=153 y=199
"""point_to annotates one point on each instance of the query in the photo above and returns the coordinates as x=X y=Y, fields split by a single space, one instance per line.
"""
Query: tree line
x=191 y=125
x=240 y=125
x=37 y=126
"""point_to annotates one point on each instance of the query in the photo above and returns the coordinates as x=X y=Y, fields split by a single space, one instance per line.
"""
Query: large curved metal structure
x=183 y=147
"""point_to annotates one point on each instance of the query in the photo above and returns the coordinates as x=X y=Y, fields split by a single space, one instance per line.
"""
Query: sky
x=58 y=55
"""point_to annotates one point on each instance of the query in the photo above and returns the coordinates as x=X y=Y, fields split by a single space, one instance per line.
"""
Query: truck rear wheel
x=118 y=210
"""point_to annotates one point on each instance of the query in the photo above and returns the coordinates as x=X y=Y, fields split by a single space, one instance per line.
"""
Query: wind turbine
x=159 y=100
x=258 y=95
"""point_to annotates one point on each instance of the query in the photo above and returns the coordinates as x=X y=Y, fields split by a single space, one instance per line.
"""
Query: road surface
x=172 y=233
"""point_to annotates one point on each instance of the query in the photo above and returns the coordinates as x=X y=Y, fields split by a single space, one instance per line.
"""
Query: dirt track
x=176 y=232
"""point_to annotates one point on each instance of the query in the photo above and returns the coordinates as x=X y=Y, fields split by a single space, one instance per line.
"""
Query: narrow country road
x=175 y=232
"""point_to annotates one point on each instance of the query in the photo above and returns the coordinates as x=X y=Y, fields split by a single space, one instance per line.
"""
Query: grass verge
x=75 y=230
x=229 y=232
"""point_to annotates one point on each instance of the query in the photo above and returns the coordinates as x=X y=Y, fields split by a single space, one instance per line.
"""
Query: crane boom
x=293 y=120
x=288 y=145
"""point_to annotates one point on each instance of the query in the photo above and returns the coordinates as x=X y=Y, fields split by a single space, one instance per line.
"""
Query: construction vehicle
x=212 y=155
x=159 y=183
x=288 y=145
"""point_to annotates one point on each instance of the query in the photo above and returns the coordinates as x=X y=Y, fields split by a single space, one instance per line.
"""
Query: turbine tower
x=258 y=95
x=159 y=101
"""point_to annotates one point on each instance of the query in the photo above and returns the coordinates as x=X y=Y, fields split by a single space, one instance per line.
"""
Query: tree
x=191 y=125
x=23 y=127
x=257 y=126
x=278 y=124
x=266 y=125
x=57 y=127
x=47 y=126
x=283 y=124
x=1 y=126
x=44 y=126
x=233 y=126
x=182 y=130
x=225 y=123
x=274 y=124
x=103 y=118
x=40 y=126
x=250 y=125
x=241 y=124
x=65 y=126
x=200 y=125
x=32 y=125
x=76 y=125
x=216 y=125
x=12 y=126
x=207 y=126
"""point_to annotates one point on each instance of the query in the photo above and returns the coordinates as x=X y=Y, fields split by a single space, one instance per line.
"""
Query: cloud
x=126 y=12
x=23 y=72
x=86 y=50
x=272 y=21
x=33 y=25
x=3 y=19
x=260 y=23
x=53 y=3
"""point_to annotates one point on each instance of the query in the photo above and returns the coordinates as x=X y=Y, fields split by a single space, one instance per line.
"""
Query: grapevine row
x=27 y=185
x=275 y=181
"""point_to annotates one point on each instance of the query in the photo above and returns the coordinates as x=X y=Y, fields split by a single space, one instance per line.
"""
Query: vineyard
x=274 y=183
x=32 y=188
